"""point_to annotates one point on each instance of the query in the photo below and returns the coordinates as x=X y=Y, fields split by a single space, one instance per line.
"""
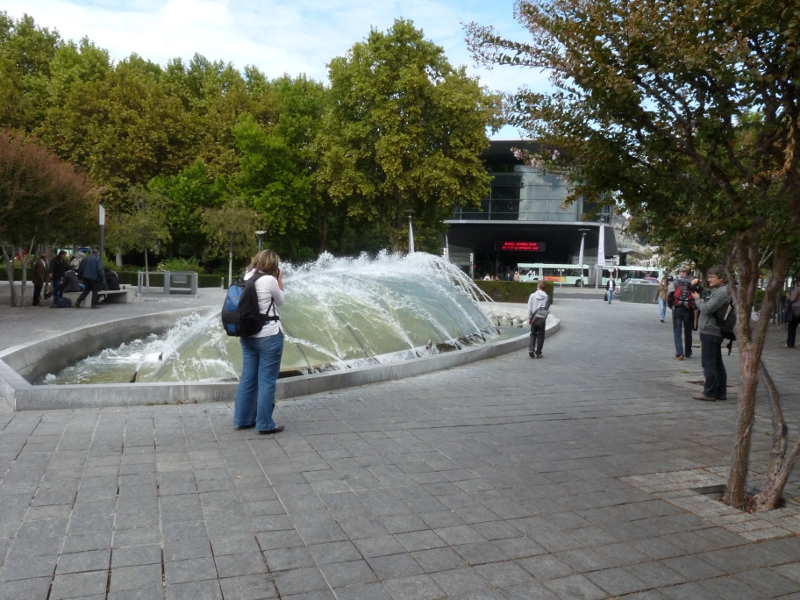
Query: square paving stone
x=545 y=566
x=231 y=565
x=79 y=585
x=692 y=567
x=658 y=548
x=461 y=583
x=439 y=559
x=134 y=556
x=391 y=567
x=382 y=545
x=151 y=593
x=504 y=574
x=584 y=560
x=28 y=568
x=617 y=581
x=139 y=536
x=768 y=582
x=481 y=553
x=575 y=587
x=249 y=587
x=332 y=552
x=239 y=544
x=79 y=562
x=195 y=569
x=532 y=590
x=185 y=550
x=369 y=591
x=420 y=540
x=403 y=523
x=461 y=534
x=279 y=539
x=197 y=590
x=25 y=588
x=283 y=559
x=138 y=577
x=298 y=581
x=520 y=547
x=348 y=573
x=731 y=588
x=416 y=587
x=655 y=574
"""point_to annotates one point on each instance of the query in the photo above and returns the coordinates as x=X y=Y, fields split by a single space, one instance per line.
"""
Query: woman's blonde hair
x=265 y=261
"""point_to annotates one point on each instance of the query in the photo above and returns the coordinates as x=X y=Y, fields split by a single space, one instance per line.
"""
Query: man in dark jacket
x=39 y=278
x=91 y=271
x=58 y=266
x=712 y=310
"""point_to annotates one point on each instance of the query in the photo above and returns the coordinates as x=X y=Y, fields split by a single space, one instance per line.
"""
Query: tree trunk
x=230 y=263
x=9 y=271
x=118 y=260
x=751 y=345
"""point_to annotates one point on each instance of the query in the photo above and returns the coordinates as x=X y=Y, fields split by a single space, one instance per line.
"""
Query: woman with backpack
x=261 y=351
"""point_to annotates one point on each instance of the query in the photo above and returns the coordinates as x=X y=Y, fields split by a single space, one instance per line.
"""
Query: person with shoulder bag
x=711 y=310
x=794 y=300
x=538 y=308
x=261 y=351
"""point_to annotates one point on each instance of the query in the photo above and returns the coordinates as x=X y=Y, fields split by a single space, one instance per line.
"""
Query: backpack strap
x=266 y=317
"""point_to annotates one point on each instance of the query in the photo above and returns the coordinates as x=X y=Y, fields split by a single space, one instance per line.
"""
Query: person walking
x=58 y=266
x=611 y=286
x=538 y=302
x=661 y=297
x=682 y=314
x=794 y=299
x=91 y=271
x=262 y=351
x=712 y=311
x=39 y=278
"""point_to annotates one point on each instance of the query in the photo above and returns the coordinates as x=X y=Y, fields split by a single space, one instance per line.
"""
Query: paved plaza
x=566 y=477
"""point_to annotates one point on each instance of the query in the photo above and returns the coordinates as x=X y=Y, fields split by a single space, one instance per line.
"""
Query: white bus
x=563 y=274
x=630 y=271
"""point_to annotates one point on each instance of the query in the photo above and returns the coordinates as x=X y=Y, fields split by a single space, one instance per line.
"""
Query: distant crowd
x=81 y=273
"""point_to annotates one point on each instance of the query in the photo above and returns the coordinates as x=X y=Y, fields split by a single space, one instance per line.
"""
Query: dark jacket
x=71 y=283
x=91 y=268
x=112 y=280
x=39 y=272
x=57 y=268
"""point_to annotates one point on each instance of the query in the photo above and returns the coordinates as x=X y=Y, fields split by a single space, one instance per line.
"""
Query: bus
x=630 y=271
x=561 y=274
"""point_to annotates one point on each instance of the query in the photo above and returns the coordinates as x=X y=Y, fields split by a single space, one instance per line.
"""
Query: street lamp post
x=410 y=214
x=583 y=233
x=260 y=234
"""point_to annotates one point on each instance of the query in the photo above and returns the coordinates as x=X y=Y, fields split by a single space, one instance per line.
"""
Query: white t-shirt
x=267 y=290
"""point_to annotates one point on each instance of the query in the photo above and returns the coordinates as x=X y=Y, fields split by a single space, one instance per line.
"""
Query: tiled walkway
x=509 y=478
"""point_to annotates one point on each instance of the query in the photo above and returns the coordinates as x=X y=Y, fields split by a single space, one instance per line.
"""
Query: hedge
x=512 y=291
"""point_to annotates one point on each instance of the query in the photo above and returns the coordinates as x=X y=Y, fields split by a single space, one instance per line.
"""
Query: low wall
x=22 y=365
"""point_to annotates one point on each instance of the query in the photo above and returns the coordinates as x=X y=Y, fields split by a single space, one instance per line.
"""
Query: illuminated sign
x=520 y=246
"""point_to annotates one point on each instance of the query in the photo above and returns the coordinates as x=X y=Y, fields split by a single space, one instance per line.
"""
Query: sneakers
x=703 y=398
x=77 y=304
x=662 y=320
x=532 y=354
x=539 y=355
x=278 y=429
x=678 y=357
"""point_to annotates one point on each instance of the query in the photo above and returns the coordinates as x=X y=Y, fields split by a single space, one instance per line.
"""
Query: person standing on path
x=711 y=311
x=91 y=271
x=262 y=351
x=39 y=278
x=611 y=286
x=794 y=299
x=58 y=266
x=661 y=297
x=682 y=314
x=537 y=301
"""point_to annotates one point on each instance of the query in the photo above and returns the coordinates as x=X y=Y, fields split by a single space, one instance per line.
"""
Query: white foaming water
x=340 y=313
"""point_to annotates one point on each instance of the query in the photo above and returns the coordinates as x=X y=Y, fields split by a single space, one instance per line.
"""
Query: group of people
x=84 y=274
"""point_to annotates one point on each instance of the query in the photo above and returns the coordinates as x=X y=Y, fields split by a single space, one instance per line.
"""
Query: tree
x=231 y=230
x=403 y=132
x=37 y=192
x=681 y=94
x=143 y=228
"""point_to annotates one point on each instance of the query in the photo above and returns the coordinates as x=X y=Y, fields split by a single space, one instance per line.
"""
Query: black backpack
x=240 y=312
x=682 y=296
x=726 y=318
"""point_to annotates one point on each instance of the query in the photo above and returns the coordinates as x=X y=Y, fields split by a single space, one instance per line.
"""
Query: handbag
x=539 y=317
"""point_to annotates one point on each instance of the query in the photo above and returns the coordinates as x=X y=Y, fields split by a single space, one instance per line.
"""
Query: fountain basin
x=22 y=365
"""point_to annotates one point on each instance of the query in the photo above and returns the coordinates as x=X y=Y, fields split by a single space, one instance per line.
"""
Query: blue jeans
x=682 y=321
x=663 y=307
x=609 y=295
x=255 y=398
x=716 y=385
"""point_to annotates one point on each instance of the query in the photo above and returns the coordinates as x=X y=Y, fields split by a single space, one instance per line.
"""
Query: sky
x=277 y=36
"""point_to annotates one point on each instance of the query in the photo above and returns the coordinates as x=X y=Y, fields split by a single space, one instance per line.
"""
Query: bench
x=106 y=296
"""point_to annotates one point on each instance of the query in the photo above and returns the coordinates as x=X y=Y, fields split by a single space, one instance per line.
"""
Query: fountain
x=347 y=322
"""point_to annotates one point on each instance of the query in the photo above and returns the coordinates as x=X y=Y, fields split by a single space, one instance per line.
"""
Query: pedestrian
x=661 y=297
x=682 y=305
x=712 y=310
x=611 y=286
x=262 y=351
x=794 y=300
x=91 y=272
x=538 y=302
x=58 y=266
x=39 y=278
x=516 y=275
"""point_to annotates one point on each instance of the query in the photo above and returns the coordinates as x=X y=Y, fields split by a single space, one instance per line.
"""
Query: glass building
x=524 y=219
